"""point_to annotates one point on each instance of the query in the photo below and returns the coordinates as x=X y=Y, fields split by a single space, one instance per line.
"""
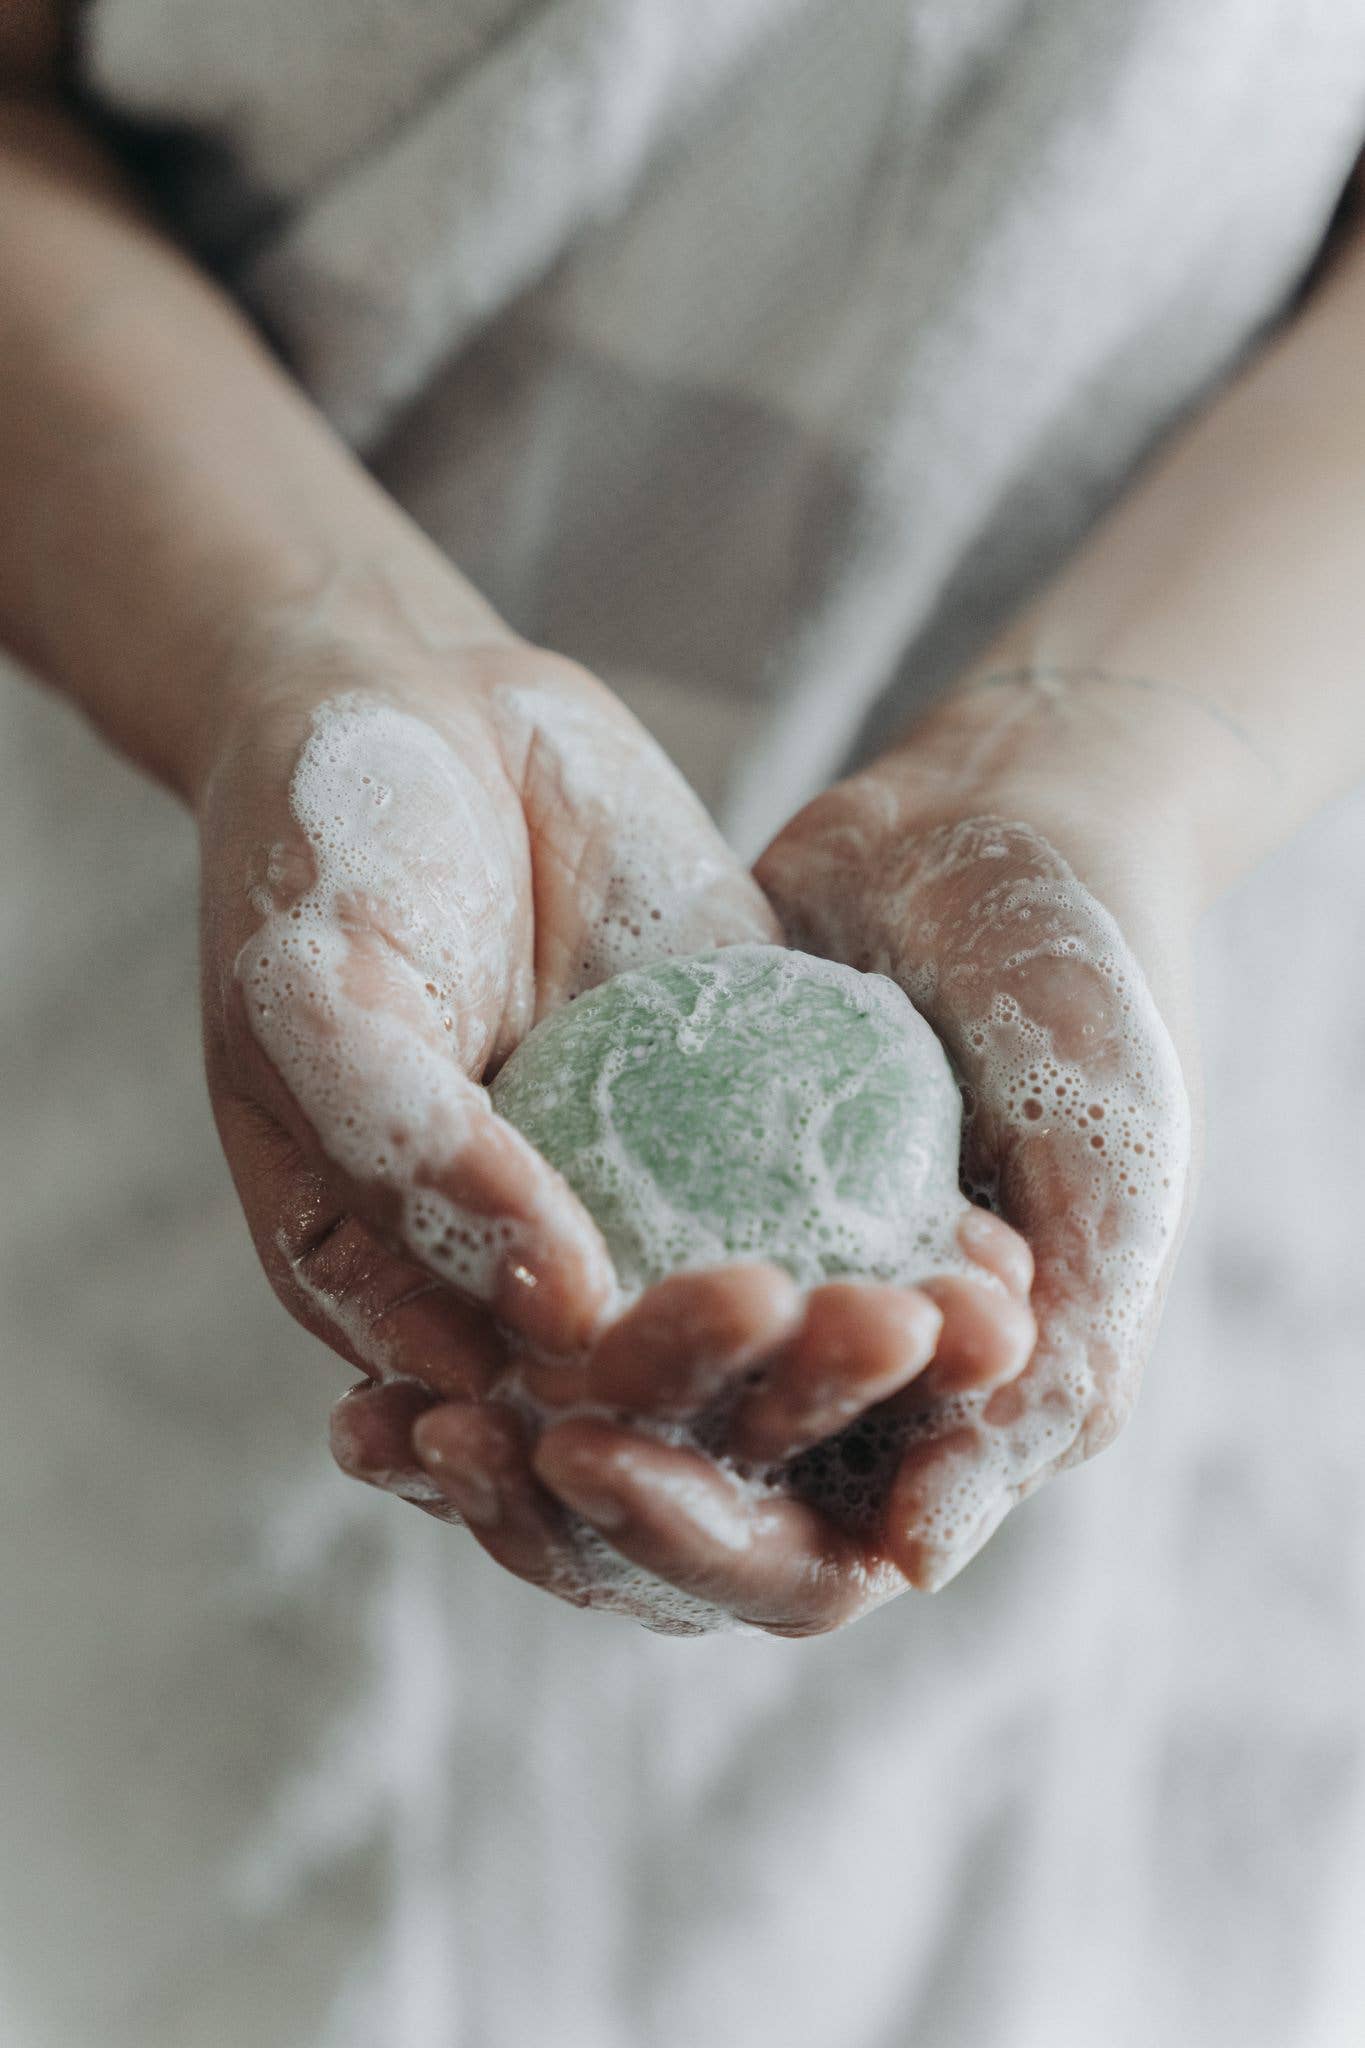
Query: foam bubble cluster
x=1078 y=1131
x=375 y=986
x=652 y=875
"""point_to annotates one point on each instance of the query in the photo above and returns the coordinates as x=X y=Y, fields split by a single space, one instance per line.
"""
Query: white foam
x=605 y=1580
x=1081 y=1060
x=377 y=990
x=667 y=883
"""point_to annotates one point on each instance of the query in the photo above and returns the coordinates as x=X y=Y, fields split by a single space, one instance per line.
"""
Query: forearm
x=164 y=488
x=1198 y=669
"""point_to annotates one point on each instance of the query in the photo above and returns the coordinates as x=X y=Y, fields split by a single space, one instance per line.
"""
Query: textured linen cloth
x=760 y=354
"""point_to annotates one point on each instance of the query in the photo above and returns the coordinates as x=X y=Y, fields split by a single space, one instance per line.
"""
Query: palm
x=1078 y=1131
x=431 y=873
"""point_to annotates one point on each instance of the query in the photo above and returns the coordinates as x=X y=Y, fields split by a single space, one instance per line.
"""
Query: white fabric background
x=776 y=407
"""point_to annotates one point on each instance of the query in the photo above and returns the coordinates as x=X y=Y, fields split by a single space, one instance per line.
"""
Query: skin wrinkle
x=670 y=876
x=572 y=872
x=1052 y=682
x=344 y=592
x=418 y=1292
x=354 y=1326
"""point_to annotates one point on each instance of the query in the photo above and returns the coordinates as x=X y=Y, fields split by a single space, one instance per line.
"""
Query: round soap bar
x=747 y=1103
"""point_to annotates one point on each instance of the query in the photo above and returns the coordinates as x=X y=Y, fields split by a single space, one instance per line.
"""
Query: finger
x=478 y=1458
x=858 y=1343
x=413 y=1143
x=495 y=1220
x=370 y=1430
x=943 y=1505
x=990 y=1242
x=771 y=1561
x=688 y=1337
x=383 y=1313
x=987 y=1339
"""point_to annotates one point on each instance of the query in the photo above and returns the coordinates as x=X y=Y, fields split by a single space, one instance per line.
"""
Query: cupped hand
x=1079 y=1125
x=873 y=1438
x=410 y=854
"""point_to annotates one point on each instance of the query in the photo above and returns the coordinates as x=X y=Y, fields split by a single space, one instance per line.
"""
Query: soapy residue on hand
x=1080 y=1132
x=378 y=989
x=379 y=982
x=652 y=877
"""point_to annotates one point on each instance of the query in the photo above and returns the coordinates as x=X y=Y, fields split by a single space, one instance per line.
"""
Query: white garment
x=761 y=350
x=790 y=354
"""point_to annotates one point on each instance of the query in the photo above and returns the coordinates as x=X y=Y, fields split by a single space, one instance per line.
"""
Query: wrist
x=1130 y=773
x=392 y=620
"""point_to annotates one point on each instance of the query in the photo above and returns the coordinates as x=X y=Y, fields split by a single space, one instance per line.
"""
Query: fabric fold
x=408 y=252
